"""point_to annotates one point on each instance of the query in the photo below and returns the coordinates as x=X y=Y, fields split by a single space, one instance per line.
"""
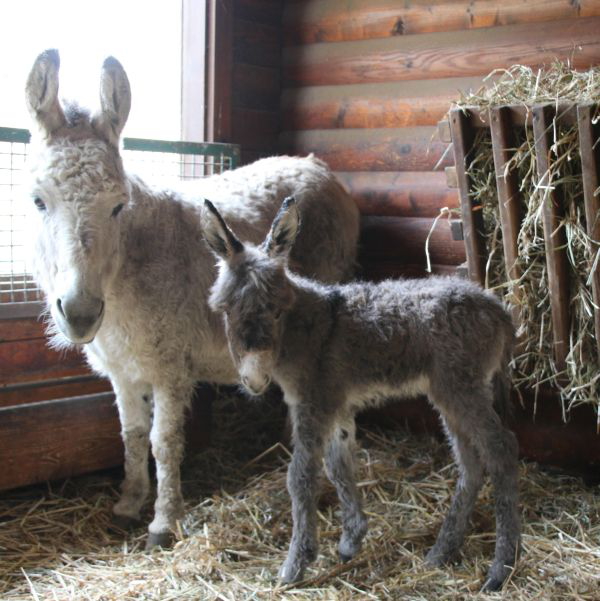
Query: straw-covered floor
x=534 y=365
x=55 y=541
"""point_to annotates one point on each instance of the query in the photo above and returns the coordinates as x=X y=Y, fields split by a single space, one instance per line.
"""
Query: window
x=161 y=44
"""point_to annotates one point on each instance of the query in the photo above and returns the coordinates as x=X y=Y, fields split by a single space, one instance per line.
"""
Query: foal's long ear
x=115 y=100
x=284 y=230
x=41 y=92
x=219 y=237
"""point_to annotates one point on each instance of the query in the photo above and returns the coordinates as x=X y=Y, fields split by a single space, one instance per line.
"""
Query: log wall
x=365 y=84
x=256 y=82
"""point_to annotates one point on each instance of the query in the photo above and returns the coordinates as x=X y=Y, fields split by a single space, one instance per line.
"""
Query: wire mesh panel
x=157 y=161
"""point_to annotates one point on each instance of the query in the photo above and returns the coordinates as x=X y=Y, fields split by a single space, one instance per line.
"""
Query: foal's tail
x=501 y=381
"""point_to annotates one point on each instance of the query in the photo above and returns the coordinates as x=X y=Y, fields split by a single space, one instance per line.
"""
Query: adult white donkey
x=126 y=272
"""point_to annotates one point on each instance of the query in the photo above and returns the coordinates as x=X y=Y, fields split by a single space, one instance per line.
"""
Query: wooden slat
x=58 y=439
x=256 y=43
x=554 y=238
x=589 y=133
x=219 y=70
x=402 y=240
x=255 y=87
x=438 y=55
x=27 y=360
x=49 y=389
x=399 y=194
x=21 y=329
x=402 y=149
x=406 y=104
x=255 y=130
x=509 y=197
x=472 y=215
x=332 y=21
x=378 y=270
x=260 y=11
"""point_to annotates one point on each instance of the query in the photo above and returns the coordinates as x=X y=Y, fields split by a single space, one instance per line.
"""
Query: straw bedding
x=55 y=541
x=534 y=365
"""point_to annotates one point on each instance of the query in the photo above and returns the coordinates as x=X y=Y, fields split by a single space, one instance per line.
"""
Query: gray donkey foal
x=335 y=349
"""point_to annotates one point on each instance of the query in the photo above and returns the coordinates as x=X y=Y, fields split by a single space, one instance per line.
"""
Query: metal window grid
x=156 y=161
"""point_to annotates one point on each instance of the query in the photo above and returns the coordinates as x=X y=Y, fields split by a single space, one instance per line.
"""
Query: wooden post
x=554 y=238
x=590 y=165
x=509 y=197
x=463 y=136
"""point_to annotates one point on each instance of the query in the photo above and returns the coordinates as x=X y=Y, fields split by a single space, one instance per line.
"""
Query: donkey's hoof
x=124 y=522
x=437 y=558
x=159 y=539
x=290 y=572
x=492 y=585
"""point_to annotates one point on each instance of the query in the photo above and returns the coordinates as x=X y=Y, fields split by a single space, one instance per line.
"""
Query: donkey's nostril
x=59 y=306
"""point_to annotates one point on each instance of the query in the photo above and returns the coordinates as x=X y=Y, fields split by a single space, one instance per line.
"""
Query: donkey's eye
x=117 y=210
x=39 y=203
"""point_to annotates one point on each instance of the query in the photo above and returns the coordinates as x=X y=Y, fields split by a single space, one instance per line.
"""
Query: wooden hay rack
x=503 y=122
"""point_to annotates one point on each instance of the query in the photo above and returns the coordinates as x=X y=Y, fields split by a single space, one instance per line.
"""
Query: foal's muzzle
x=78 y=316
x=255 y=369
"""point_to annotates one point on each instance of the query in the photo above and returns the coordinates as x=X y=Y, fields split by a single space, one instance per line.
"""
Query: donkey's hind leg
x=470 y=480
x=339 y=463
x=134 y=405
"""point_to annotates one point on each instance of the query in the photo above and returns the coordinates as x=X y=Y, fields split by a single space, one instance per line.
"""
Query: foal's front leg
x=308 y=435
x=167 y=447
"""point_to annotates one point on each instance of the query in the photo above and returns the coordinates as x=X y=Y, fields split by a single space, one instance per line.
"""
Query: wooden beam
x=471 y=211
x=307 y=22
x=385 y=149
x=219 y=66
x=554 y=237
x=589 y=134
x=402 y=239
x=509 y=197
x=438 y=55
x=399 y=193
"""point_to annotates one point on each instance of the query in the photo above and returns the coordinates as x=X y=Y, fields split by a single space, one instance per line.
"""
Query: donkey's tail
x=502 y=382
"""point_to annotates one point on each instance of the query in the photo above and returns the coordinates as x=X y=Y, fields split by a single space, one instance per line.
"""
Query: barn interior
x=366 y=86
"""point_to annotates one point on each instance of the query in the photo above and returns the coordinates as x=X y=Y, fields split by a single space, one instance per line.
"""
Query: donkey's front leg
x=134 y=404
x=167 y=447
x=308 y=435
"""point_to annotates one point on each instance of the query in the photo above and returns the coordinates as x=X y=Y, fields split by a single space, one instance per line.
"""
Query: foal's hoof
x=124 y=522
x=159 y=539
x=492 y=585
x=290 y=572
x=438 y=559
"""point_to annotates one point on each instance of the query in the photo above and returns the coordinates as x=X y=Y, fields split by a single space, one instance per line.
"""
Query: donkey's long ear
x=284 y=230
x=115 y=100
x=219 y=237
x=41 y=92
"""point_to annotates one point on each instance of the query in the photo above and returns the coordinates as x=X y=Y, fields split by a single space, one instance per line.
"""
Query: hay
x=534 y=365
x=55 y=543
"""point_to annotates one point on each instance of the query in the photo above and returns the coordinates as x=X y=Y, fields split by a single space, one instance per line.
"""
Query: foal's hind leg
x=339 y=462
x=134 y=404
x=452 y=532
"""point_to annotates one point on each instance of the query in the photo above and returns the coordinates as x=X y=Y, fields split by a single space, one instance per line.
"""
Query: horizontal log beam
x=423 y=102
x=402 y=240
x=440 y=55
x=307 y=22
x=402 y=149
x=399 y=194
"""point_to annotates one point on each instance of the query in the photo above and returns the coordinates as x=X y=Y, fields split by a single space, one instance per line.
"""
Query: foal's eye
x=117 y=210
x=39 y=203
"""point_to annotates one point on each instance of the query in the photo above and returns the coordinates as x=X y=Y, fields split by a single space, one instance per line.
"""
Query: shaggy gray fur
x=336 y=349
x=126 y=272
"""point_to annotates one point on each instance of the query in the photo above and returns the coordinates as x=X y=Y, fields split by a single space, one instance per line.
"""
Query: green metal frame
x=212 y=149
